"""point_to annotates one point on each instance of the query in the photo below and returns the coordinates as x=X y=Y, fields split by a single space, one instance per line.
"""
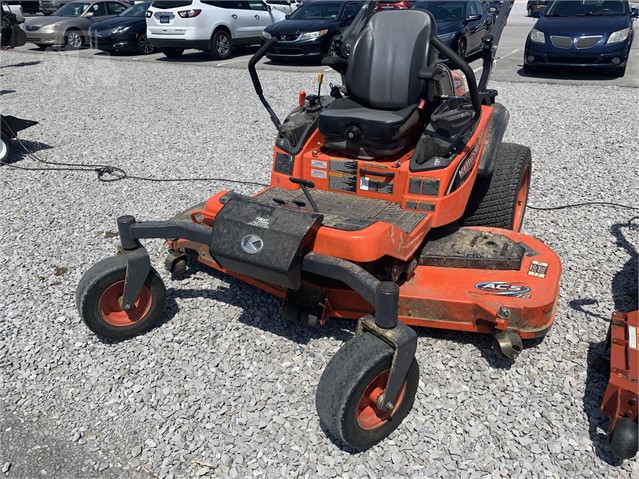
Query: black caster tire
x=500 y=201
x=97 y=301
x=5 y=147
x=346 y=391
x=624 y=439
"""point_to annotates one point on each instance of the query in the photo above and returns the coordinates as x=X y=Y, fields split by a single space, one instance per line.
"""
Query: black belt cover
x=262 y=241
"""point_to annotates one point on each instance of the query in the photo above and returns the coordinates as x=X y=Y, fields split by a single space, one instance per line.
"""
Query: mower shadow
x=23 y=148
x=624 y=294
x=597 y=372
x=22 y=64
x=251 y=300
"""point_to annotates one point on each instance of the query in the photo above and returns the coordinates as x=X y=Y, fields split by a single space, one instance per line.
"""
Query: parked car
x=309 y=31
x=47 y=7
x=69 y=25
x=461 y=24
x=589 y=33
x=214 y=26
x=396 y=4
x=28 y=6
x=536 y=6
x=285 y=6
x=126 y=32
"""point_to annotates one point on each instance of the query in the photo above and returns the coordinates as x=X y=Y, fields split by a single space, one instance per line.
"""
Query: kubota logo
x=503 y=288
x=252 y=244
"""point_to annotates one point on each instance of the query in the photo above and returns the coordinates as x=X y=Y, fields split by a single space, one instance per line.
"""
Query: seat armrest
x=336 y=63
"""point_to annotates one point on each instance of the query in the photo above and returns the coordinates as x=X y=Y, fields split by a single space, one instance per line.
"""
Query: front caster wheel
x=347 y=392
x=97 y=300
x=624 y=439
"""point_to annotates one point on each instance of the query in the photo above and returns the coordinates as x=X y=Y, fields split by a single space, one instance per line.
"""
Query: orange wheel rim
x=111 y=311
x=369 y=416
x=520 y=202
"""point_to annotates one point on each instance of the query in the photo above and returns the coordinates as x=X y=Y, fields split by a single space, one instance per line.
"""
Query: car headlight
x=312 y=35
x=266 y=35
x=537 y=36
x=619 y=36
x=444 y=37
x=121 y=29
x=51 y=27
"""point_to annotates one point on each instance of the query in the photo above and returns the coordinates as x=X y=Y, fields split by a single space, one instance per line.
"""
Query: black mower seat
x=381 y=125
x=380 y=115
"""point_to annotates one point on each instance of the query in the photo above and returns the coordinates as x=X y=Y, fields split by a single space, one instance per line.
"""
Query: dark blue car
x=586 y=33
x=124 y=33
x=461 y=24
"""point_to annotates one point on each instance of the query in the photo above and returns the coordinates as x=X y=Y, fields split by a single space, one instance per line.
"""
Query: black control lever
x=305 y=185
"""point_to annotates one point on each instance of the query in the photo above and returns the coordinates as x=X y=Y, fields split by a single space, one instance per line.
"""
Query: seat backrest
x=387 y=56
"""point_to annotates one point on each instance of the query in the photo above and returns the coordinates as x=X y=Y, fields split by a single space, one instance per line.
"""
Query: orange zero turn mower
x=393 y=201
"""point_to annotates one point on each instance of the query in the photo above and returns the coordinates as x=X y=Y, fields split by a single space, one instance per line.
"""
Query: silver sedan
x=69 y=25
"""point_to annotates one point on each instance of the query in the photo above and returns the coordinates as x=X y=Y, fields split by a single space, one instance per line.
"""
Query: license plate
x=165 y=19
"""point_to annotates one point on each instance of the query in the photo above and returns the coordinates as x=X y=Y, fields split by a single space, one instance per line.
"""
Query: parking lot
x=224 y=387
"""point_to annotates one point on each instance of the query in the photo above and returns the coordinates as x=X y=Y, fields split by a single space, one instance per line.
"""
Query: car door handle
x=234 y=16
x=257 y=16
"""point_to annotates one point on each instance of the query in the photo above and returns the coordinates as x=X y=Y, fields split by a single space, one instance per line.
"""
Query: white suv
x=215 y=26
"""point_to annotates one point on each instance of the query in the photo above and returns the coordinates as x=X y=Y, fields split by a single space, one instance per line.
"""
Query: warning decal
x=633 y=337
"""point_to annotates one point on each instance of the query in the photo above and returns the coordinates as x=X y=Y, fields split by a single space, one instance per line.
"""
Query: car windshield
x=137 y=10
x=444 y=11
x=587 y=8
x=72 y=9
x=316 y=11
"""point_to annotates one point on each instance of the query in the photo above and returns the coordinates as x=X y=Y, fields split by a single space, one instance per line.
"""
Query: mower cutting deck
x=392 y=201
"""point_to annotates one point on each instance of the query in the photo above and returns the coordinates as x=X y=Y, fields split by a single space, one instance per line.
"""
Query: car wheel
x=331 y=47
x=73 y=40
x=143 y=45
x=461 y=48
x=221 y=45
x=530 y=12
x=173 y=52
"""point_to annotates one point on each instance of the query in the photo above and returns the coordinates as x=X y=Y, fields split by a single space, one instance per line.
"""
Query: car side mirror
x=472 y=18
x=287 y=16
x=268 y=8
x=634 y=13
x=536 y=14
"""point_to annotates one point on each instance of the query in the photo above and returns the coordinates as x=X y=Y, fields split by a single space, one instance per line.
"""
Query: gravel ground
x=225 y=388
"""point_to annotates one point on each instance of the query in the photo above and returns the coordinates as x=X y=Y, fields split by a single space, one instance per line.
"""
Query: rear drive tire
x=221 y=45
x=500 y=201
x=5 y=147
x=173 y=52
x=347 y=389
